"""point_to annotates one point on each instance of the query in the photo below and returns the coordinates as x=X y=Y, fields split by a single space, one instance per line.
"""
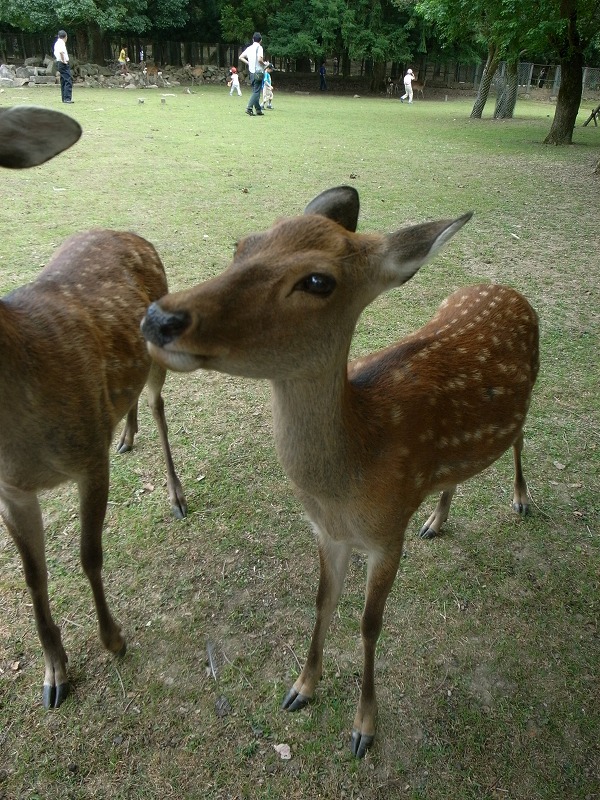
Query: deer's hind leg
x=520 y=497
x=23 y=518
x=434 y=524
x=93 y=498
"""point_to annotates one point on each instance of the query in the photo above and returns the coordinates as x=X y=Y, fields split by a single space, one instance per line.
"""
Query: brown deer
x=363 y=443
x=419 y=86
x=73 y=363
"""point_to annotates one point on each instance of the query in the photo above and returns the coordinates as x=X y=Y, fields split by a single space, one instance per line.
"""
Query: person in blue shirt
x=267 y=87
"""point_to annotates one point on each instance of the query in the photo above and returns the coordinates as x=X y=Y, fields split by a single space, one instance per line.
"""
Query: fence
x=545 y=76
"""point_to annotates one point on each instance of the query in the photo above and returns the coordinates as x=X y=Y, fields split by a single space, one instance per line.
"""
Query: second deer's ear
x=31 y=135
x=339 y=204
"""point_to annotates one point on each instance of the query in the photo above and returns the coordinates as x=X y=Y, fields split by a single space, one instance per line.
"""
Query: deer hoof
x=294 y=701
x=54 y=696
x=427 y=533
x=179 y=510
x=360 y=743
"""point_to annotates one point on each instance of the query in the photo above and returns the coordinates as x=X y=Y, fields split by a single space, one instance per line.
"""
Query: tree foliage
x=127 y=16
x=566 y=30
x=373 y=30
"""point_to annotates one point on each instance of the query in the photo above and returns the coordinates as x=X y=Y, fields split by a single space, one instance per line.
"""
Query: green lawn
x=487 y=668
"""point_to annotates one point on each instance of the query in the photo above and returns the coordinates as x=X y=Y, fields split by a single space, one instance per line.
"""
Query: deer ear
x=339 y=204
x=30 y=135
x=409 y=248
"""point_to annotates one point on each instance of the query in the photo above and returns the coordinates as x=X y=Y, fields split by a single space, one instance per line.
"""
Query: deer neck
x=312 y=422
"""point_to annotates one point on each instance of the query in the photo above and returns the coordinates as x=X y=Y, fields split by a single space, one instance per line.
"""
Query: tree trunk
x=568 y=100
x=96 y=44
x=378 y=77
x=489 y=71
x=302 y=64
x=345 y=65
x=571 y=74
x=507 y=97
x=81 y=48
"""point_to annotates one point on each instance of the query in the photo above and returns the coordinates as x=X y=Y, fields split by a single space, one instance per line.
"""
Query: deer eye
x=316 y=283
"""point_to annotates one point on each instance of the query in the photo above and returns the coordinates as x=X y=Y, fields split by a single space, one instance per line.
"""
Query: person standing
x=267 y=88
x=322 y=73
x=408 y=90
x=253 y=58
x=62 y=58
x=234 y=82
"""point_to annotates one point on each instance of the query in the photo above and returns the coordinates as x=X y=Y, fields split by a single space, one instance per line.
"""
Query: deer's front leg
x=156 y=380
x=334 y=557
x=23 y=518
x=93 y=497
x=381 y=572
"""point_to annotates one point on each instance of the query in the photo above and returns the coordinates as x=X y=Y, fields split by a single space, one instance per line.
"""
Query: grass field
x=488 y=665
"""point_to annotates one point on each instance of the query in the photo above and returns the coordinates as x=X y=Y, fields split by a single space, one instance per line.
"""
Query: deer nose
x=162 y=327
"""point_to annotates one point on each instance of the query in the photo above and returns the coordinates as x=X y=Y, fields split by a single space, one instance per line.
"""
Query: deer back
x=453 y=395
x=73 y=362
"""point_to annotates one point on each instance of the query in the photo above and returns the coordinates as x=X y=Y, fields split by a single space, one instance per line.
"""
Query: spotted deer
x=365 y=442
x=73 y=363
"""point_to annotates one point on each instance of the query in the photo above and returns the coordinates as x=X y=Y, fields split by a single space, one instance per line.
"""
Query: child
x=234 y=82
x=267 y=88
x=123 y=61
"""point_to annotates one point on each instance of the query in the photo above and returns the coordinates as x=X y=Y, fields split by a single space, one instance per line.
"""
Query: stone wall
x=37 y=71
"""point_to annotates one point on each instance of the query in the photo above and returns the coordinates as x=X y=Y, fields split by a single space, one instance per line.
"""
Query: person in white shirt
x=62 y=58
x=408 y=90
x=234 y=80
x=253 y=58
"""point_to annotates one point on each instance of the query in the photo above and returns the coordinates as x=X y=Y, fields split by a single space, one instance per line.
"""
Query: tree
x=240 y=20
x=563 y=28
x=501 y=27
x=575 y=27
x=89 y=20
x=373 y=31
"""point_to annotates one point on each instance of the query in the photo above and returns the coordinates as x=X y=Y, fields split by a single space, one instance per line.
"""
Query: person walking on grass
x=267 y=88
x=234 y=82
x=253 y=58
x=408 y=90
x=62 y=59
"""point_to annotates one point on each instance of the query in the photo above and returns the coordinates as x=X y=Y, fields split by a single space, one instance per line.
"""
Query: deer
x=363 y=443
x=73 y=364
x=419 y=86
